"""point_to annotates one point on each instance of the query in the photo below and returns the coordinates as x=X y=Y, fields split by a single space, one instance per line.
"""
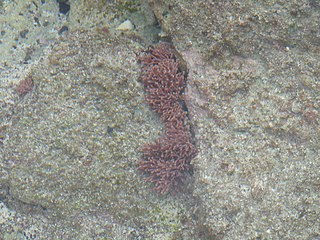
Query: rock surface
x=69 y=147
x=254 y=99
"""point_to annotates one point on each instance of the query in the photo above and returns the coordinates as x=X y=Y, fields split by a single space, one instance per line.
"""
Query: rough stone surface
x=27 y=28
x=69 y=148
x=254 y=99
x=71 y=151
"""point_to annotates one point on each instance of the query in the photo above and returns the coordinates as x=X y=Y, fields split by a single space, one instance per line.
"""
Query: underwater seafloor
x=73 y=118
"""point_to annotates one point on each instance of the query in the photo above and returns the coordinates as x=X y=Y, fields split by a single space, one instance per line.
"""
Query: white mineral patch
x=5 y=213
x=125 y=26
x=163 y=34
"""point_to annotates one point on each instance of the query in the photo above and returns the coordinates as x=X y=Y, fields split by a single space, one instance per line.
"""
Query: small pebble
x=125 y=26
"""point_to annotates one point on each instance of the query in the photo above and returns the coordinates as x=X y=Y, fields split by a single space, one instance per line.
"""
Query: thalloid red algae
x=167 y=161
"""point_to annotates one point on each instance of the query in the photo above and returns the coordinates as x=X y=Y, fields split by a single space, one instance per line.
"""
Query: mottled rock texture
x=73 y=145
x=254 y=98
x=69 y=147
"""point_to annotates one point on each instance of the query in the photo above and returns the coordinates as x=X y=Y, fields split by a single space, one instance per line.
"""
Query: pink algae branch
x=24 y=86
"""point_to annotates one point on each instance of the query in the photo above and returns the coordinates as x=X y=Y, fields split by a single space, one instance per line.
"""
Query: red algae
x=166 y=161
